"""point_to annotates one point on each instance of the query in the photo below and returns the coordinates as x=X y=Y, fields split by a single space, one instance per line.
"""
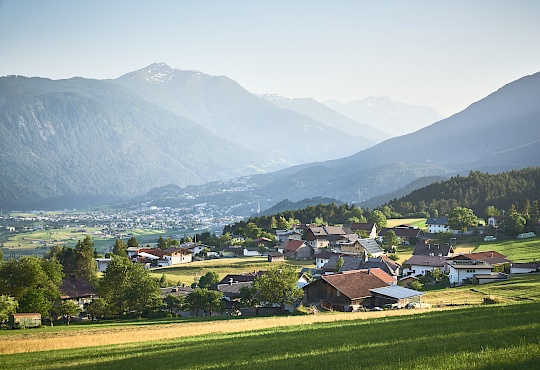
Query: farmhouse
x=423 y=265
x=463 y=271
x=347 y=291
x=360 y=247
x=296 y=249
x=369 y=227
x=437 y=225
x=77 y=290
x=444 y=250
x=319 y=236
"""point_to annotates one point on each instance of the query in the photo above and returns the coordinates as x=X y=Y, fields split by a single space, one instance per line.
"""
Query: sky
x=442 y=54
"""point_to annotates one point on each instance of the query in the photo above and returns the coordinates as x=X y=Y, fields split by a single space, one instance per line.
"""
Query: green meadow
x=485 y=337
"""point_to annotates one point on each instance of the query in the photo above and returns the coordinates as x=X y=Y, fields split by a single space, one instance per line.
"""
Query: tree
x=68 y=309
x=210 y=278
x=128 y=287
x=132 y=242
x=339 y=263
x=120 y=248
x=206 y=300
x=390 y=240
x=8 y=306
x=97 y=308
x=461 y=219
x=490 y=212
x=173 y=302
x=514 y=224
x=278 y=285
x=32 y=281
x=362 y=233
x=378 y=218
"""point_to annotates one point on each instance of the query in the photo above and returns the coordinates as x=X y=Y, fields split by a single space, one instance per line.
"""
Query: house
x=318 y=236
x=494 y=258
x=346 y=291
x=423 y=265
x=283 y=235
x=303 y=280
x=239 y=278
x=231 y=290
x=276 y=257
x=369 y=227
x=407 y=234
x=232 y=251
x=261 y=241
x=524 y=268
x=462 y=271
x=383 y=263
x=177 y=255
x=195 y=248
x=323 y=257
x=437 y=225
x=359 y=246
x=132 y=251
x=102 y=264
x=77 y=290
x=406 y=281
x=177 y=291
x=251 y=252
x=495 y=221
x=445 y=250
x=296 y=249
x=395 y=295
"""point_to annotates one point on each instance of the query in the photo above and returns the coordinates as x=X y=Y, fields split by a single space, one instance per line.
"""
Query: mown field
x=188 y=273
x=516 y=288
x=487 y=337
x=517 y=250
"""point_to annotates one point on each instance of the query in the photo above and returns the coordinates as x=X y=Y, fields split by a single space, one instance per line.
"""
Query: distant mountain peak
x=158 y=73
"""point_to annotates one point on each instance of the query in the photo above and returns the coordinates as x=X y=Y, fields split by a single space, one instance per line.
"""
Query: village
x=344 y=268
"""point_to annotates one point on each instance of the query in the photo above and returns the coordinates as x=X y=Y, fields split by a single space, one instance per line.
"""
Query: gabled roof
x=370 y=245
x=152 y=251
x=437 y=221
x=480 y=256
x=382 y=275
x=354 y=284
x=325 y=254
x=171 y=250
x=292 y=245
x=432 y=249
x=368 y=226
x=431 y=261
x=275 y=254
x=71 y=288
x=176 y=291
x=239 y=278
x=402 y=232
x=360 y=263
x=397 y=292
x=327 y=230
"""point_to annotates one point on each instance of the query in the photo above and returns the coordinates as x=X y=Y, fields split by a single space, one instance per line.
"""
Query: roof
x=534 y=265
x=238 y=278
x=233 y=288
x=480 y=256
x=433 y=250
x=437 y=221
x=368 y=226
x=432 y=261
x=493 y=275
x=275 y=254
x=382 y=275
x=354 y=284
x=467 y=264
x=402 y=232
x=176 y=291
x=76 y=288
x=325 y=254
x=370 y=245
x=397 y=292
x=292 y=245
x=153 y=251
x=171 y=250
x=327 y=230
x=360 y=263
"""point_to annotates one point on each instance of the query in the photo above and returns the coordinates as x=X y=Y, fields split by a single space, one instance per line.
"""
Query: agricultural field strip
x=29 y=342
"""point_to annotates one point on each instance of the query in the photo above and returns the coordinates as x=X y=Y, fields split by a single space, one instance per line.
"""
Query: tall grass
x=489 y=337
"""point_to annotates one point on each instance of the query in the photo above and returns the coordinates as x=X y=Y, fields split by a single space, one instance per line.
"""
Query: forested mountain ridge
x=476 y=191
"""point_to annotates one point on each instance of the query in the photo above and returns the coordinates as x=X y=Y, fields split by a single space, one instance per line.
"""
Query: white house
x=462 y=270
x=423 y=265
x=283 y=235
x=437 y=225
x=102 y=263
x=322 y=258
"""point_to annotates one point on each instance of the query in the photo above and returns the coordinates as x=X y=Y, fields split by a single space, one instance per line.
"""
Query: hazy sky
x=444 y=54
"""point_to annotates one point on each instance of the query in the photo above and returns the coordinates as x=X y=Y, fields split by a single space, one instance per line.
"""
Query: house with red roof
x=296 y=249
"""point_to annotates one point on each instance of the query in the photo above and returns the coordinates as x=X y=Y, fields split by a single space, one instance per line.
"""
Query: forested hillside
x=476 y=191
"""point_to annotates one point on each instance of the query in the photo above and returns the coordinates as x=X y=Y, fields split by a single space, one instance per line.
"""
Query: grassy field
x=187 y=273
x=517 y=288
x=517 y=250
x=487 y=337
x=40 y=241
x=418 y=222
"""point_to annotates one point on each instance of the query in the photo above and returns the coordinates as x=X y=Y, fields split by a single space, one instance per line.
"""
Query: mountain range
x=498 y=133
x=76 y=142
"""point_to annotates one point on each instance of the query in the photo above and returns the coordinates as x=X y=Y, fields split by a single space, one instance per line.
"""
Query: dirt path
x=97 y=337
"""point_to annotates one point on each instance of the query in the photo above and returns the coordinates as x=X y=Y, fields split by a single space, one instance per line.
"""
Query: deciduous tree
x=278 y=286
x=461 y=219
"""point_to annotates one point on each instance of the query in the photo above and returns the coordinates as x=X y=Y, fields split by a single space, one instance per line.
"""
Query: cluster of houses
x=350 y=273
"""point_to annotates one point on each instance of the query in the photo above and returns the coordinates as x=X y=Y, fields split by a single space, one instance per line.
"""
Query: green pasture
x=418 y=222
x=187 y=273
x=487 y=337
x=517 y=250
x=516 y=288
